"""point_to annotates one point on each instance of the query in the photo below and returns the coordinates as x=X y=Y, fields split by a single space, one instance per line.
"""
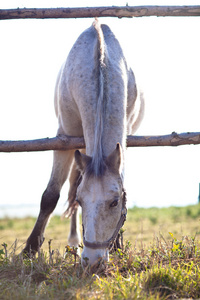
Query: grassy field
x=160 y=260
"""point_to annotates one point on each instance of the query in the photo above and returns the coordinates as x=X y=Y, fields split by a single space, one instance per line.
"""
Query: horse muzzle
x=92 y=257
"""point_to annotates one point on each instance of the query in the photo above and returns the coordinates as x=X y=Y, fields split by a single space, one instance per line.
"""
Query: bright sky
x=163 y=52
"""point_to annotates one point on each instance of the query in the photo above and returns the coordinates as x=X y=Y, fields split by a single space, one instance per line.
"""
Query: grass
x=160 y=260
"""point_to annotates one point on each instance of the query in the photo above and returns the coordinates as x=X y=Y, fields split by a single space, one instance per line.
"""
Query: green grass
x=160 y=260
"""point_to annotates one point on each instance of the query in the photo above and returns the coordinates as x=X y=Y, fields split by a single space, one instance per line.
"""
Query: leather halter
x=109 y=242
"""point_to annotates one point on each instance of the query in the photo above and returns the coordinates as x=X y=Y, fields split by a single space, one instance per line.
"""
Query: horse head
x=103 y=207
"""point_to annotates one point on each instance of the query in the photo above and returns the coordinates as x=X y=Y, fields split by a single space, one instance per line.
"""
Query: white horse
x=95 y=97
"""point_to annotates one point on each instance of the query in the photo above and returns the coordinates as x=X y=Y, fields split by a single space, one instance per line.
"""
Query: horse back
x=79 y=85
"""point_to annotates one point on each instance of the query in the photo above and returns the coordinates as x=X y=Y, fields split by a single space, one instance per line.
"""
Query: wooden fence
x=88 y=12
x=65 y=142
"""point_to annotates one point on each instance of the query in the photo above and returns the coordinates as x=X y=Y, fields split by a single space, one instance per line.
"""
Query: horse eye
x=114 y=203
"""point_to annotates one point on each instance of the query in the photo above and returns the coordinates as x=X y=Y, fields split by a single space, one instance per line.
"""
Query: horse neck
x=110 y=129
x=110 y=119
x=110 y=126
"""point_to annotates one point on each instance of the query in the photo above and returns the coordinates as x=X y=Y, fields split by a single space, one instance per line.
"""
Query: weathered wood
x=173 y=139
x=63 y=142
x=109 y=11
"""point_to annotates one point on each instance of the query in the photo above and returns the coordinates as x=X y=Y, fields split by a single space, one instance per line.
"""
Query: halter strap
x=109 y=242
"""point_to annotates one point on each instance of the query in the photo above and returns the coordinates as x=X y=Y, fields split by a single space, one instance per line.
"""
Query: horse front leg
x=72 y=210
x=74 y=238
x=61 y=167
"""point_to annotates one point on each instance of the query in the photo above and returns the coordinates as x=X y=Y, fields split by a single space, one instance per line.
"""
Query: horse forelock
x=96 y=168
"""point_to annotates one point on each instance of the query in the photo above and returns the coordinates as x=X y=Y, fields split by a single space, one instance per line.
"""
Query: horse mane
x=97 y=165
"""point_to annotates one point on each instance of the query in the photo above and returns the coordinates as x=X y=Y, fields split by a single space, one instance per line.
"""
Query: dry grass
x=154 y=265
x=168 y=270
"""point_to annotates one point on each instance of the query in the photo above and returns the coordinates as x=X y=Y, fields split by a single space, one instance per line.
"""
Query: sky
x=164 y=55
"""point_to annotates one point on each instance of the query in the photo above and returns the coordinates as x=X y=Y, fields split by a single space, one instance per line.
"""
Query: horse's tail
x=101 y=44
x=98 y=164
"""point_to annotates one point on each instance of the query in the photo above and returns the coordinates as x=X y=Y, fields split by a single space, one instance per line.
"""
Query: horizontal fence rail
x=108 y=11
x=64 y=142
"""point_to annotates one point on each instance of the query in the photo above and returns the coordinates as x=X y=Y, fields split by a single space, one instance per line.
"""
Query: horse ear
x=113 y=161
x=82 y=160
